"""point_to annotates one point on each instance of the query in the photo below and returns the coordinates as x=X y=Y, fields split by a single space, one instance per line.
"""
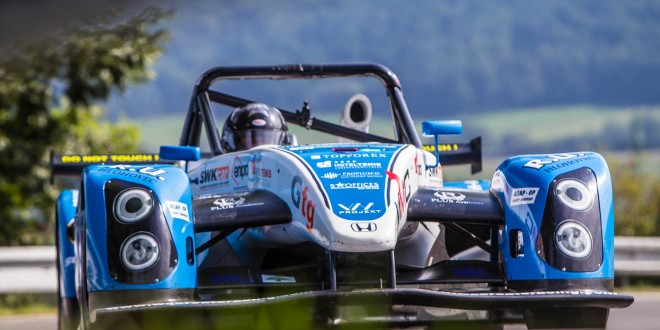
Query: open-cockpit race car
x=347 y=221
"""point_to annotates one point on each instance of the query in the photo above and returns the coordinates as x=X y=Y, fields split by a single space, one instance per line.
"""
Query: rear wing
x=459 y=153
x=73 y=165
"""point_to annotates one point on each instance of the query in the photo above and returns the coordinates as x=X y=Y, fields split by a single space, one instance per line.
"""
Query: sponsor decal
x=353 y=155
x=364 y=226
x=330 y=176
x=178 y=210
x=521 y=196
x=350 y=165
x=556 y=161
x=361 y=174
x=449 y=196
x=441 y=147
x=266 y=173
x=355 y=185
x=259 y=122
x=302 y=202
x=240 y=170
x=452 y=197
x=370 y=150
x=277 y=279
x=207 y=175
x=309 y=147
x=325 y=164
x=217 y=174
x=143 y=173
x=357 y=208
x=227 y=203
x=314 y=157
x=110 y=158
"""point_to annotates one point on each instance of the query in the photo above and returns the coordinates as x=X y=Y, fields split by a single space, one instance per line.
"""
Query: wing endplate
x=451 y=205
x=239 y=210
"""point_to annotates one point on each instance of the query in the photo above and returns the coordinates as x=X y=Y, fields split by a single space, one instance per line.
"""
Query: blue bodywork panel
x=340 y=167
x=170 y=186
x=67 y=202
x=522 y=184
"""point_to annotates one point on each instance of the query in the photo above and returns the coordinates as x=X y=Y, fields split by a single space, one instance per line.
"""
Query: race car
x=347 y=221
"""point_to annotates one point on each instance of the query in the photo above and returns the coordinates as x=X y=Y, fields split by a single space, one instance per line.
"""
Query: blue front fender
x=169 y=223
x=66 y=205
x=535 y=209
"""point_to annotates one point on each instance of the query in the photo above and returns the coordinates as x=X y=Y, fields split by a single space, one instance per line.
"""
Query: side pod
x=454 y=205
x=239 y=210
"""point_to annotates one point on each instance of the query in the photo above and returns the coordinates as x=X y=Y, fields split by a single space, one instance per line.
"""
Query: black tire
x=68 y=315
x=571 y=318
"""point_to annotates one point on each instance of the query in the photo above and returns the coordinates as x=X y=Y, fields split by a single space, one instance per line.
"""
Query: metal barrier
x=31 y=269
x=28 y=269
x=636 y=257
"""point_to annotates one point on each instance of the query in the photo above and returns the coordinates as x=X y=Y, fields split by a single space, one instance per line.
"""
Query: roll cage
x=200 y=112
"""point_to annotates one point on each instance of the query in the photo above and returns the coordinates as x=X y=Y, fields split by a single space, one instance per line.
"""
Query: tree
x=636 y=187
x=47 y=94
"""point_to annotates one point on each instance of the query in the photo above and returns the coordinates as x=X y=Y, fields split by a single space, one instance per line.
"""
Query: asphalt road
x=644 y=314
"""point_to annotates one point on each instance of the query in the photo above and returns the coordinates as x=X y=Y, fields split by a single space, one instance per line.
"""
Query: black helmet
x=252 y=125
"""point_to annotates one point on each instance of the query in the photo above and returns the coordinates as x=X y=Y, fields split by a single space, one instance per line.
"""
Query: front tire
x=67 y=308
x=67 y=313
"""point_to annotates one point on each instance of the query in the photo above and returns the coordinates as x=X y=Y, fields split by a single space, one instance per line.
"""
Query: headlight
x=133 y=205
x=139 y=252
x=573 y=239
x=574 y=194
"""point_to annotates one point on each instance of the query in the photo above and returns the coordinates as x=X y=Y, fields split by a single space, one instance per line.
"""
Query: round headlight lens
x=574 y=194
x=139 y=252
x=573 y=239
x=133 y=205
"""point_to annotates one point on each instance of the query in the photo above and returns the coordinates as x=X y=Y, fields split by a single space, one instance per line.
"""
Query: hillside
x=506 y=133
x=451 y=56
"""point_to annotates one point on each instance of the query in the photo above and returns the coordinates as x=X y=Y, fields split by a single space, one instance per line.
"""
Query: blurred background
x=105 y=76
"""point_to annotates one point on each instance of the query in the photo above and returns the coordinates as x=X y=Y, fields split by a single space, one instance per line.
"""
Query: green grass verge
x=533 y=125
x=27 y=303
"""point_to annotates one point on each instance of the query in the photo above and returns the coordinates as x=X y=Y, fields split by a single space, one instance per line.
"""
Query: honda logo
x=363 y=226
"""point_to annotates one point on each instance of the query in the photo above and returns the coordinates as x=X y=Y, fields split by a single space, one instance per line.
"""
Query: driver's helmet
x=252 y=125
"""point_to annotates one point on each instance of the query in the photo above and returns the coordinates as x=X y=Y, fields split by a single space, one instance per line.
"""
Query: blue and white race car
x=332 y=225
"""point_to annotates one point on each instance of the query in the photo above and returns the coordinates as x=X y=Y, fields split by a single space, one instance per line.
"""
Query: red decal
x=402 y=201
x=302 y=201
x=416 y=167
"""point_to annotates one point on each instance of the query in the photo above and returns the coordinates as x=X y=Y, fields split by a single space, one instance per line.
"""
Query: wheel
x=585 y=317
x=67 y=308
x=67 y=313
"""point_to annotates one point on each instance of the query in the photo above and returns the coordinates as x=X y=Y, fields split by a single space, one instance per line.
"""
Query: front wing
x=326 y=302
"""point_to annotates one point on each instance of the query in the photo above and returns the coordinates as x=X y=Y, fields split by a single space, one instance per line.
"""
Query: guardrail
x=31 y=269
x=28 y=269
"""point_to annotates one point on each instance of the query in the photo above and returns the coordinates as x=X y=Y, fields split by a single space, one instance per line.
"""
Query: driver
x=253 y=125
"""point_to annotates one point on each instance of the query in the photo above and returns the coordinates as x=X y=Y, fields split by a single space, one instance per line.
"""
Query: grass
x=161 y=130
x=26 y=303
x=550 y=123
x=533 y=124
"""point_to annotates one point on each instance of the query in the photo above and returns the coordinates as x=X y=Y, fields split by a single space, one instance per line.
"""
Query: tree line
x=50 y=91
x=451 y=56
